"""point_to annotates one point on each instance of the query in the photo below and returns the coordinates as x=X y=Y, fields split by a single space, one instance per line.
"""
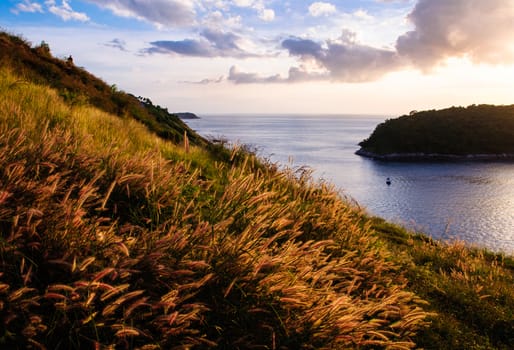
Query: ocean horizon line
x=293 y=114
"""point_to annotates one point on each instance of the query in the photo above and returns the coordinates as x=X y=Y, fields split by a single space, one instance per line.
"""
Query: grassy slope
x=77 y=86
x=113 y=236
x=121 y=238
x=469 y=290
x=481 y=129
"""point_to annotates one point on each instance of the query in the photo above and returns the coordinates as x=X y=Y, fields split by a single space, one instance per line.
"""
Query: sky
x=385 y=57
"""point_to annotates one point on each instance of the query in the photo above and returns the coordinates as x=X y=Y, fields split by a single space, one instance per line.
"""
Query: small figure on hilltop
x=69 y=61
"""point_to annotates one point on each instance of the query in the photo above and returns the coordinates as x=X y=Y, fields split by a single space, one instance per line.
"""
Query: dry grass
x=79 y=87
x=111 y=237
x=471 y=290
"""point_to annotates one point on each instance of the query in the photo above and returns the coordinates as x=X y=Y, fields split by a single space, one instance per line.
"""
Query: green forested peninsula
x=118 y=233
x=474 y=132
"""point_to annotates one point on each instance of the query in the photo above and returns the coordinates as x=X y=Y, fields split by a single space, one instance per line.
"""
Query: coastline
x=186 y=115
x=435 y=156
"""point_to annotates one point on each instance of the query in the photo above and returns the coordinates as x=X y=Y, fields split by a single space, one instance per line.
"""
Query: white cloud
x=472 y=29
x=343 y=59
x=393 y=1
x=243 y=3
x=480 y=30
x=65 y=11
x=362 y=14
x=216 y=19
x=238 y=77
x=27 y=6
x=217 y=4
x=319 y=8
x=163 y=13
x=212 y=43
x=116 y=43
x=267 y=15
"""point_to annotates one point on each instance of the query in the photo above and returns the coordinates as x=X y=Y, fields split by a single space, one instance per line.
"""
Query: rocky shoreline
x=435 y=156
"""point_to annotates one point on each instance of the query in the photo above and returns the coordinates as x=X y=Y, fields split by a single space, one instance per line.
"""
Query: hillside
x=77 y=86
x=115 y=237
x=475 y=132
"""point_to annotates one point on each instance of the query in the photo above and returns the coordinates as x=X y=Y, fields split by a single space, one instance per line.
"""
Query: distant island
x=476 y=132
x=187 y=115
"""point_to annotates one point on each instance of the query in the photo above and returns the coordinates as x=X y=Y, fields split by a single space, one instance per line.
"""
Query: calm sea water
x=469 y=201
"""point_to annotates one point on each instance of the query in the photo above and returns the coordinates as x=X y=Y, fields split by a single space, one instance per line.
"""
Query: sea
x=466 y=201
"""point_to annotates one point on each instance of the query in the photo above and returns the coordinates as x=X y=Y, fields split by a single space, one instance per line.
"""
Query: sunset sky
x=383 y=57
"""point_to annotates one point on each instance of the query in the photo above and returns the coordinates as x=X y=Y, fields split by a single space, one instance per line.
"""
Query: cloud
x=362 y=14
x=238 y=77
x=65 y=12
x=302 y=47
x=243 y=3
x=344 y=59
x=117 y=44
x=27 y=6
x=303 y=74
x=206 y=81
x=163 y=13
x=187 y=47
x=391 y=1
x=295 y=74
x=216 y=19
x=212 y=43
x=222 y=41
x=265 y=14
x=478 y=29
x=319 y=8
x=358 y=63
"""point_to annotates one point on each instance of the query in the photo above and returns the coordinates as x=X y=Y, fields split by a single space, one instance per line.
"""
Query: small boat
x=388 y=181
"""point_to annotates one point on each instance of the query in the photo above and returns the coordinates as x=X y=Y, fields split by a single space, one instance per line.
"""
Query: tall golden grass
x=114 y=238
x=470 y=289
